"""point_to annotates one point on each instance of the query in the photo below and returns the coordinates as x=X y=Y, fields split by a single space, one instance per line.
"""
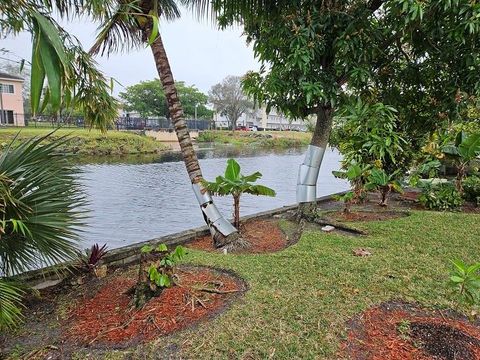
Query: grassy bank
x=85 y=142
x=301 y=298
x=263 y=139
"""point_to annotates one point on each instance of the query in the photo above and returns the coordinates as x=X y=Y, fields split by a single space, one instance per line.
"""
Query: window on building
x=7 y=88
x=6 y=117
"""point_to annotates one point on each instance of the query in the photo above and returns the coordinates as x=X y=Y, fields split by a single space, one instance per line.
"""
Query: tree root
x=240 y=243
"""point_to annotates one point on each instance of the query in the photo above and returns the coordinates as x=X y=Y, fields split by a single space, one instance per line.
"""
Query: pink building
x=11 y=100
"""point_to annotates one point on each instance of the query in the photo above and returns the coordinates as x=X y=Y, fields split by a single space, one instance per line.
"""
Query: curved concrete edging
x=126 y=255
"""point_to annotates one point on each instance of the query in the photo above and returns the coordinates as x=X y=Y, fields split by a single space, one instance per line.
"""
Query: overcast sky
x=199 y=54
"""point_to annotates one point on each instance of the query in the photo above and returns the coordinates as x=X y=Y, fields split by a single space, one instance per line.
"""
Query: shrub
x=443 y=196
x=159 y=274
x=466 y=282
x=471 y=189
x=355 y=174
x=40 y=213
x=385 y=183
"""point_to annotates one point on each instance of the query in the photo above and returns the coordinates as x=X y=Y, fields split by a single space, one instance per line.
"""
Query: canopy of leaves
x=367 y=134
x=234 y=183
x=148 y=99
x=413 y=55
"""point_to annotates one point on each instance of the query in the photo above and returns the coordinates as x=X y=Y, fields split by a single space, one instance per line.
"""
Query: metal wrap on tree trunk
x=213 y=218
x=308 y=174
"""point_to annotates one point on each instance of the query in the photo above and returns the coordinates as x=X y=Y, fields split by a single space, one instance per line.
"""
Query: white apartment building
x=274 y=120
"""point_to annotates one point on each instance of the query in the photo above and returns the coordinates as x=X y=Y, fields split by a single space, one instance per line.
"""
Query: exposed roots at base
x=240 y=243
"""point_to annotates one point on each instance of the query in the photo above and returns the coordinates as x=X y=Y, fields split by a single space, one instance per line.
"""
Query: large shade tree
x=148 y=99
x=230 y=100
x=416 y=56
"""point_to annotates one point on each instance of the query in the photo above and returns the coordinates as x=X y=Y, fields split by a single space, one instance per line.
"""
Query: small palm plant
x=465 y=149
x=235 y=184
x=355 y=174
x=40 y=215
x=385 y=183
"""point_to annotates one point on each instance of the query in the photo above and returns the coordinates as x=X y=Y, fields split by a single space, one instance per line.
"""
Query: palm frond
x=46 y=231
x=10 y=305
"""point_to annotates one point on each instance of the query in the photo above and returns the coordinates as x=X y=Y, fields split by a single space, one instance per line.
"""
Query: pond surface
x=133 y=202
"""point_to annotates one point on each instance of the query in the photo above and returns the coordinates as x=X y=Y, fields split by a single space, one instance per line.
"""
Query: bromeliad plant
x=356 y=175
x=40 y=216
x=156 y=271
x=235 y=184
x=92 y=257
x=462 y=151
x=383 y=182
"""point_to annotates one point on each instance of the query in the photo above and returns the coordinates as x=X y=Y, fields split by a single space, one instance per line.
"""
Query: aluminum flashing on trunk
x=201 y=194
x=308 y=174
x=215 y=221
x=306 y=193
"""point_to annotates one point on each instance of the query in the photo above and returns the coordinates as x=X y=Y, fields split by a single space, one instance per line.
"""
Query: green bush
x=443 y=196
x=471 y=189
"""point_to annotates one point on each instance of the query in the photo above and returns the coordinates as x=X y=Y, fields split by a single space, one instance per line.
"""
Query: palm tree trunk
x=222 y=231
x=309 y=170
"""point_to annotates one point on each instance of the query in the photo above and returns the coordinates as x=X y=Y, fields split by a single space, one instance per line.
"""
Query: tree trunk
x=222 y=231
x=385 y=190
x=460 y=176
x=308 y=172
x=236 y=211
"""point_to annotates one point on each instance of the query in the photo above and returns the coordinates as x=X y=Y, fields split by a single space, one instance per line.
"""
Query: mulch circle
x=362 y=215
x=377 y=334
x=263 y=235
x=108 y=319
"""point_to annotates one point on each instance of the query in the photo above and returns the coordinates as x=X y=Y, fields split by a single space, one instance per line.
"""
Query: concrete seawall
x=126 y=255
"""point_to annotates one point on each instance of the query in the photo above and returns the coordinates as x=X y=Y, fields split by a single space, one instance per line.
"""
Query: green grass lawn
x=300 y=298
x=263 y=139
x=89 y=142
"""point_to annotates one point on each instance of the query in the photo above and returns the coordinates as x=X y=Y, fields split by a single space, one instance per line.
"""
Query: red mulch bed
x=109 y=319
x=375 y=335
x=366 y=215
x=263 y=235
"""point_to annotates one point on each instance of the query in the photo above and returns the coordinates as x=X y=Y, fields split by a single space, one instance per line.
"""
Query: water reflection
x=135 y=202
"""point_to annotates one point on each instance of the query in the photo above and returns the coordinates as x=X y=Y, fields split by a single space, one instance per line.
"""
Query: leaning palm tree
x=134 y=23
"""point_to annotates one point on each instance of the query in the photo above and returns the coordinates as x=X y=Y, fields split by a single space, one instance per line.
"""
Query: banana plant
x=462 y=151
x=355 y=174
x=235 y=184
x=385 y=183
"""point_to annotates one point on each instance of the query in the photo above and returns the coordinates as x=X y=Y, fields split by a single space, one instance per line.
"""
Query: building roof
x=6 y=76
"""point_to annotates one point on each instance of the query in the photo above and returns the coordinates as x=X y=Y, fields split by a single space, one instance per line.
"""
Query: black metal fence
x=122 y=123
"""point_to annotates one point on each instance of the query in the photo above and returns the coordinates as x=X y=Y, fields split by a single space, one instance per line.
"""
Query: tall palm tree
x=131 y=23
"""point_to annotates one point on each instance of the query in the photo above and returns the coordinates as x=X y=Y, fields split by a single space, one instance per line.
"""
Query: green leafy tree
x=148 y=99
x=40 y=216
x=317 y=54
x=463 y=151
x=235 y=184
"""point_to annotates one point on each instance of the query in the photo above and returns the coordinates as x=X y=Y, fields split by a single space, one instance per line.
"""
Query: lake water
x=130 y=203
